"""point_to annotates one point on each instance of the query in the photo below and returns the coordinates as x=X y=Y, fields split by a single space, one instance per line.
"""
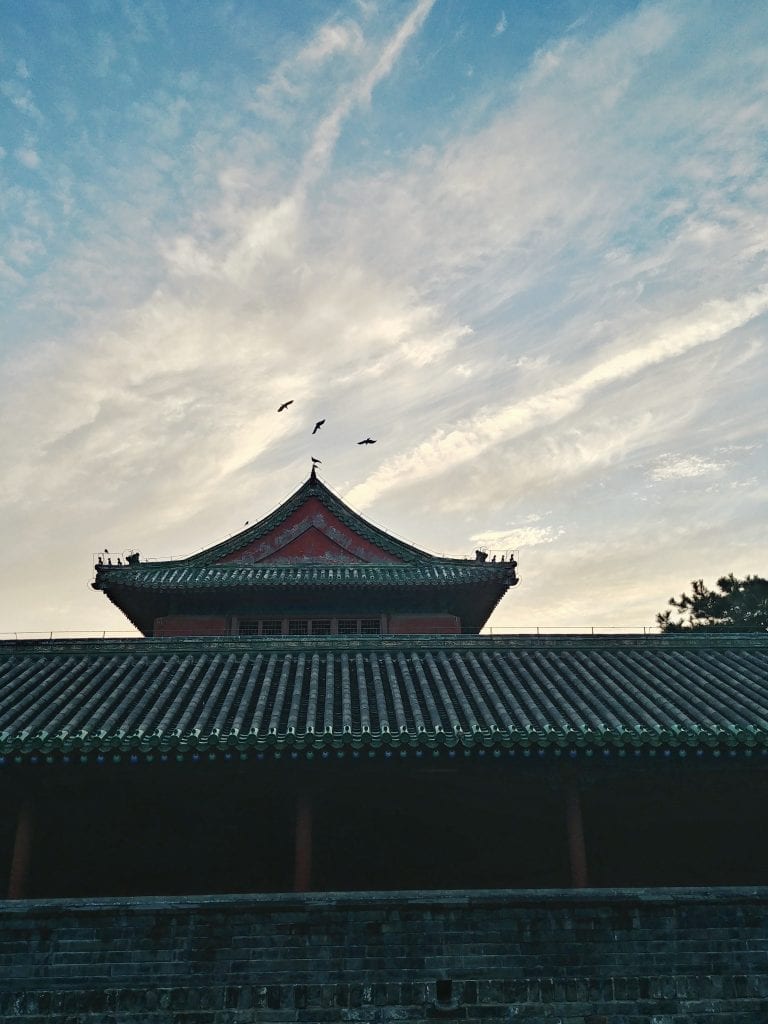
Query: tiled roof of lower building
x=406 y=693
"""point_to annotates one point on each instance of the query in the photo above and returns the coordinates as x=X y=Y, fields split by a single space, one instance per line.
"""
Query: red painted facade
x=311 y=534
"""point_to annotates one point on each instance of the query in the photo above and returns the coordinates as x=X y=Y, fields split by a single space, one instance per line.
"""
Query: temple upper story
x=311 y=567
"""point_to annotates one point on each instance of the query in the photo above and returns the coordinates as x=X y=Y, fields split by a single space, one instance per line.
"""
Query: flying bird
x=367 y=440
x=318 y=425
x=316 y=462
x=285 y=405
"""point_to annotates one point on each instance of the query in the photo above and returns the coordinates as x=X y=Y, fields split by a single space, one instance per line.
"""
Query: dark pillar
x=577 y=851
x=302 y=864
x=22 y=849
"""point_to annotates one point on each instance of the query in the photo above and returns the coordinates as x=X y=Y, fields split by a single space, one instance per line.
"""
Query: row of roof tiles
x=236 y=575
x=316 y=692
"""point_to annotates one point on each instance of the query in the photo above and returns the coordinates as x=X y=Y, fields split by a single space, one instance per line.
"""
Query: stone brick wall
x=589 y=957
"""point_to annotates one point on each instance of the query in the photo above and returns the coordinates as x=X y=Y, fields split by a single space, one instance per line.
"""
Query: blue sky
x=523 y=245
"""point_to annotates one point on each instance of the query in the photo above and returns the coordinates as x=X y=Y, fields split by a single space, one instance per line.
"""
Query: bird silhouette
x=246 y=522
x=285 y=405
x=318 y=425
x=367 y=440
x=316 y=462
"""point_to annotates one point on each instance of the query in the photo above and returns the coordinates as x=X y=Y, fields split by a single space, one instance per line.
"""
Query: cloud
x=684 y=467
x=512 y=539
x=28 y=157
x=104 y=55
x=501 y=25
x=531 y=301
x=20 y=96
x=292 y=80
x=327 y=133
x=471 y=438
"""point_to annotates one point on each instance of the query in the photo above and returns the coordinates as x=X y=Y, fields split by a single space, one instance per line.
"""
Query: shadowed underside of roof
x=396 y=692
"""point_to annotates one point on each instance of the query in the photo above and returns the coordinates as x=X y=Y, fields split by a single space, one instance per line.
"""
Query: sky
x=520 y=244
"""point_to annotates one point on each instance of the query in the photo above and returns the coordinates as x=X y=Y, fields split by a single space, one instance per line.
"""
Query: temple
x=312 y=567
x=315 y=790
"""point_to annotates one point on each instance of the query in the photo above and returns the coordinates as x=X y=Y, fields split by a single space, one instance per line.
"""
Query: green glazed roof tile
x=310 y=692
x=162 y=577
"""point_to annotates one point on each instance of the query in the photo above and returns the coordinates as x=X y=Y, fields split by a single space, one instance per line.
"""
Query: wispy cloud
x=327 y=132
x=471 y=438
x=501 y=25
x=20 y=96
x=28 y=157
x=684 y=467
x=512 y=539
x=548 y=295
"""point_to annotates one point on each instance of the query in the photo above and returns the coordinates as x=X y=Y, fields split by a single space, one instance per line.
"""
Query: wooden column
x=577 y=850
x=22 y=850
x=302 y=863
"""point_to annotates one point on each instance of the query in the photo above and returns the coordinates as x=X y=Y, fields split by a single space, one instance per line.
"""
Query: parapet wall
x=588 y=957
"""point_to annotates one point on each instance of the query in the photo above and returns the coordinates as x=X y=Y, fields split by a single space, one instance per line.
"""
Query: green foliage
x=736 y=606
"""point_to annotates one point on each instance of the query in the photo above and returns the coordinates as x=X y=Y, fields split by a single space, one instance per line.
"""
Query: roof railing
x=560 y=630
x=495 y=631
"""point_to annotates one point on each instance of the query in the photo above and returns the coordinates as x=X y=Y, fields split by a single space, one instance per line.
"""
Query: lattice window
x=307 y=627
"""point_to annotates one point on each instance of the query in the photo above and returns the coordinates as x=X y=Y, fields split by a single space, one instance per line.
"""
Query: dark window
x=347 y=627
x=271 y=627
x=370 y=627
x=248 y=627
x=321 y=627
x=298 y=627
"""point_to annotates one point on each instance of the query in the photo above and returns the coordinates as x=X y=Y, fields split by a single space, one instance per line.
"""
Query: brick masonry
x=588 y=957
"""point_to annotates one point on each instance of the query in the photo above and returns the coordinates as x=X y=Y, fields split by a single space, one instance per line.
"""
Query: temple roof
x=312 y=541
x=262 y=542
x=675 y=693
